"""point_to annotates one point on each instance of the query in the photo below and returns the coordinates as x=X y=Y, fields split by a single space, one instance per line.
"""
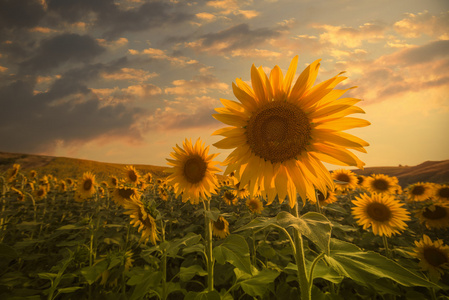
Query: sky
x=125 y=81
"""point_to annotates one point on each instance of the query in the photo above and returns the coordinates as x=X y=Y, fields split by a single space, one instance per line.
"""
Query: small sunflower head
x=433 y=256
x=434 y=215
x=220 y=228
x=132 y=176
x=254 y=205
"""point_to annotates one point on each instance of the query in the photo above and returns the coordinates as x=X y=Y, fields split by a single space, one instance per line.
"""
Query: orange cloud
x=162 y=55
x=130 y=74
x=415 y=25
x=201 y=84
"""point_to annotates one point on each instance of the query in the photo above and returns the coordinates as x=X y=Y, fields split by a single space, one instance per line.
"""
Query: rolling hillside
x=63 y=167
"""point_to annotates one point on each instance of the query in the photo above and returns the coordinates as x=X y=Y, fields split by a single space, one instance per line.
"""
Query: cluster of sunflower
x=384 y=206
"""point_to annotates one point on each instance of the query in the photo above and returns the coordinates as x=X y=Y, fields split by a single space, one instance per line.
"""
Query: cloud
x=201 y=84
x=415 y=25
x=134 y=93
x=160 y=54
x=231 y=39
x=18 y=14
x=351 y=37
x=262 y=53
x=120 y=42
x=129 y=74
x=60 y=49
x=68 y=111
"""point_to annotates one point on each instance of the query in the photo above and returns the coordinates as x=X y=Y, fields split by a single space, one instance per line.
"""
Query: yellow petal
x=230 y=119
x=305 y=81
x=342 y=124
x=276 y=79
x=258 y=86
x=290 y=74
x=246 y=99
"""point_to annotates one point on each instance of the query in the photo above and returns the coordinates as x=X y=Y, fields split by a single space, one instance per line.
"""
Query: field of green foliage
x=58 y=241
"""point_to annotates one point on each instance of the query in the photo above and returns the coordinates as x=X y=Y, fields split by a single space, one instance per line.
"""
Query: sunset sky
x=125 y=81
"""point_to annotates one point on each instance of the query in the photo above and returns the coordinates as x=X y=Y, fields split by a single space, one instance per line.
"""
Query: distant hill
x=429 y=171
x=63 y=167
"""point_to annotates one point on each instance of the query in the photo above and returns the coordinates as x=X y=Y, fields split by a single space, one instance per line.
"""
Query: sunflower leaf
x=234 y=250
x=367 y=267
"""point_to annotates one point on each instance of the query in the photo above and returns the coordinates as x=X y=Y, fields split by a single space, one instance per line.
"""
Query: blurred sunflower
x=441 y=192
x=220 y=228
x=142 y=218
x=381 y=212
x=434 y=216
x=86 y=186
x=346 y=180
x=420 y=191
x=113 y=181
x=241 y=192
x=230 y=197
x=131 y=175
x=123 y=194
x=148 y=178
x=20 y=194
x=70 y=182
x=192 y=171
x=282 y=131
x=360 y=180
x=33 y=174
x=12 y=173
x=62 y=186
x=40 y=193
x=433 y=256
x=254 y=205
x=328 y=199
x=381 y=184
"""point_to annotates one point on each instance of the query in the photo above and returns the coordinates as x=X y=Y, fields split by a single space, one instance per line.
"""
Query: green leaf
x=49 y=276
x=189 y=240
x=150 y=282
x=312 y=225
x=71 y=227
x=366 y=267
x=7 y=252
x=92 y=273
x=69 y=289
x=258 y=284
x=185 y=274
x=213 y=214
x=234 y=250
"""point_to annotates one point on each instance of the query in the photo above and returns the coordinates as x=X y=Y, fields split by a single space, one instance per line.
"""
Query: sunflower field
x=276 y=225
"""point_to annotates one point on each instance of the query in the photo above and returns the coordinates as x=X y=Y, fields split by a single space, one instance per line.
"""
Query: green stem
x=209 y=256
x=312 y=268
x=303 y=280
x=164 y=263
x=387 y=250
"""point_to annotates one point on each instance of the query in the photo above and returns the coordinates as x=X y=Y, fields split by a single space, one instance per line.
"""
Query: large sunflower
x=192 y=174
x=282 y=131
x=141 y=218
x=382 y=184
x=419 y=191
x=346 y=180
x=433 y=256
x=382 y=212
x=434 y=216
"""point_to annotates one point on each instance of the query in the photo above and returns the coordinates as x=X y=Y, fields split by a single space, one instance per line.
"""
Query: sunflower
x=86 y=186
x=360 y=180
x=123 y=194
x=62 y=186
x=20 y=194
x=382 y=184
x=420 y=191
x=434 y=216
x=383 y=212
x=241 y=192
x=346 y=180
x=40 y=192
x=70 y=182
x=12 y=173
x=328 y=199
x=220 y=228
x=33 y=174
x=148 y=178
x=433 y=256
x=192 y=171
x=230 y=197
x=254 y=205
x=113 y=181
x=131 y=174
x=282 y=132
x=441 y=192
x=142 y=218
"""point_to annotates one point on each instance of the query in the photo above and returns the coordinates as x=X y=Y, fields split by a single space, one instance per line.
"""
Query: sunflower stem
x=387 y=250
x=209 y=255
x=304 y=284
x=164 y=263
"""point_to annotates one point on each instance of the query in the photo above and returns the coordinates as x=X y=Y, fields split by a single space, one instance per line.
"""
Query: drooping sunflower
x=123 y=194
x=328 y=199
x=346 y=180
x=381 y=184
x=20 y=195
x=131 y=175
x=441 y=193
x=434 y=216
x=433 y=256
x=282 y=132
x=86 y=186
x=192 y=171
x=220 y=228
x=420 y=191
x=254 y=205
x=40 y=193
x=230 y=197
x=382 y=212
x=113 y=181
x=142 y=218
x=360 y=180
x=12 y=173
x=33 y=174
x=62 y=186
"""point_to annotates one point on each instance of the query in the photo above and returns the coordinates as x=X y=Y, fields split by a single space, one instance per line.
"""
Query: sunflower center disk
x=436 y=214
x=132 y=176
x=195 y=169
x=418 y=190
x=434 y=256
x=378 y=212
x=125 y=193
x=343 y=178
x=279 y=131
x=381 y=185
x=87 y=185
x=219 y=224
x=444 y=192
